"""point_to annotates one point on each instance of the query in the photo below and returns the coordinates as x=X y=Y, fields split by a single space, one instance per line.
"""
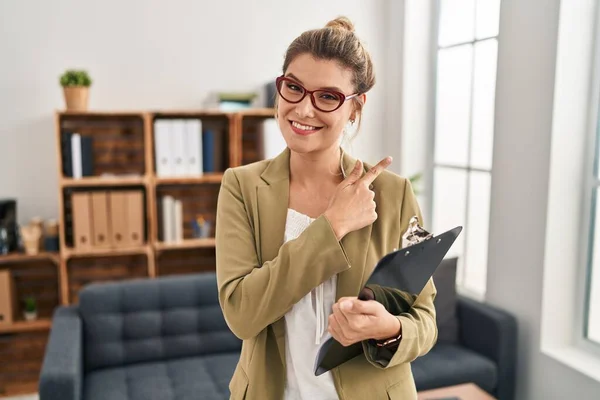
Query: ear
x=362 y=99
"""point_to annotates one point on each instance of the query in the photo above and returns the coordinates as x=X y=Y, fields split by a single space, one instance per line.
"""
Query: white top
x=306 y=329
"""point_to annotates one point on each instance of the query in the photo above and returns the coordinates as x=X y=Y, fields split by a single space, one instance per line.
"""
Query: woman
x=298 y=236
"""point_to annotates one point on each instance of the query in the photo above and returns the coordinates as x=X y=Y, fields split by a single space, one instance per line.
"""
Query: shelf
x=191 y=113
x=185 y=244
x=258 y=112
x=103 y=181
x=184 y=180
x=105 y=252
x=101 y=113
x=27 y=326
x=23 y=257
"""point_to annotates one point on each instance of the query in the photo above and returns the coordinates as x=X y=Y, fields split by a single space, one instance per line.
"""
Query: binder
x=100 y=220
x=8 y=304
x=135 y=215
x=76 y=155
x=168 y=217
x=162 y=148
x=118 y=218
x=193 y=144
x=408 y=270
x=178 y=135
x=82 y=221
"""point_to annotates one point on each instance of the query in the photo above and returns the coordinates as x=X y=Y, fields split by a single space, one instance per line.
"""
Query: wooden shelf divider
x=14 y=258
x=185 y=244
x=103 y=181
x=106 y=252
x=42 y=324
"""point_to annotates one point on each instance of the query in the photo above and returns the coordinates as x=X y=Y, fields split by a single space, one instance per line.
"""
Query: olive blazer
x=260 y=278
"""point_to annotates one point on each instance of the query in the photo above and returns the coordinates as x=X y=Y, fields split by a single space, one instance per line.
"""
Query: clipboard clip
x=415 y=233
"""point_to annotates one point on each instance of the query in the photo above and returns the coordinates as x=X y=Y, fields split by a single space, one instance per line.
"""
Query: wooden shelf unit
x=123 y=151
x=131 y=164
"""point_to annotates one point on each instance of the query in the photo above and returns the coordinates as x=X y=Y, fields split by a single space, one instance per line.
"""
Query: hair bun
x=341 y=23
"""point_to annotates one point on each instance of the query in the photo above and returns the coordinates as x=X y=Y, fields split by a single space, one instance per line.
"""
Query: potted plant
x=76 y=85
x=30 y=311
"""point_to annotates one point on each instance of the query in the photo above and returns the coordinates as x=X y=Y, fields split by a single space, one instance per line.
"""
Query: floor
x=28 y=397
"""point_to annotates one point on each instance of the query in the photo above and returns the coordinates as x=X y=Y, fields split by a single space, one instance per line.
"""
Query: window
x=592 y=298
x=464 y=130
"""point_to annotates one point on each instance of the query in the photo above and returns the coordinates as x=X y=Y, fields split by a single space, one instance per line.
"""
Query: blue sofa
x=166 y=338
x=141 y=340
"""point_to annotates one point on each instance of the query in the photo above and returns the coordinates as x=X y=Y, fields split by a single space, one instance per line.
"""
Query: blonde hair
x=337 y=41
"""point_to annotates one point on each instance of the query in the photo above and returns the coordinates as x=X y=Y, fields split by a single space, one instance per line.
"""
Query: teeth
x=303 y=127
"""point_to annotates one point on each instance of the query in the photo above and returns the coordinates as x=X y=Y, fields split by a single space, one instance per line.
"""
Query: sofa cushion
x=192 y=378
x=153 y=320
x=447 y=365
x=445 y=301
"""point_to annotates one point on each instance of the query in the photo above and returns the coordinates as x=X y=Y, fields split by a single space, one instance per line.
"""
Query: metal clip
x=415 y=233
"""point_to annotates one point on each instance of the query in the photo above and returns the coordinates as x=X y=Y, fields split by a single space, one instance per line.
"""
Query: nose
x=305 y=108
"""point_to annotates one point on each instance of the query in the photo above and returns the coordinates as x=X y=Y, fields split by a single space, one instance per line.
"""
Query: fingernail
x=347 y=305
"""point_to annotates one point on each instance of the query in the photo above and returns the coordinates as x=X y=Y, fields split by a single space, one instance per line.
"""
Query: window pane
x=453 y=101
x=483 y=103
x=457 y=22
x=488 y=18
x=593 y=317
x=449 y=207
x=477 y=234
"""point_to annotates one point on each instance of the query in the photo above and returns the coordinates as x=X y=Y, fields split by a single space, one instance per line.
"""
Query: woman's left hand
x=355 y=320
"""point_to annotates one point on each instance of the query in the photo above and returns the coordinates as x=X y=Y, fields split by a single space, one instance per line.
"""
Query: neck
x=316 y=169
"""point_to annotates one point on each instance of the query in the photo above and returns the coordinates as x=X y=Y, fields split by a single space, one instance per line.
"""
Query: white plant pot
x=30 y=316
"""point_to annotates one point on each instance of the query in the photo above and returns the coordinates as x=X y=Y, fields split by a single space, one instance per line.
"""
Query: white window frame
x=574 y=131
x=461 y=273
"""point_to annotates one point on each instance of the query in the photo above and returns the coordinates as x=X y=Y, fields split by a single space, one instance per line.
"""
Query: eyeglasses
x=322 y=99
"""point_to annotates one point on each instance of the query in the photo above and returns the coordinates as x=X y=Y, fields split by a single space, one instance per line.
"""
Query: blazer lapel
x=273 y=201
x=357 y=245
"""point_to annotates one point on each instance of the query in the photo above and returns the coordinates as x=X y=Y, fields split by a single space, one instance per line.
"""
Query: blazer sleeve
x=253 y=296
x=417 y=314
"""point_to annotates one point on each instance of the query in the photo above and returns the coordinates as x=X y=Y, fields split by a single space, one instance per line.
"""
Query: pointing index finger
x=374 y=172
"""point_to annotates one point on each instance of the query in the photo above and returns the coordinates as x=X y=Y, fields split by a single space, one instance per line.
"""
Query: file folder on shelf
x=408 y=269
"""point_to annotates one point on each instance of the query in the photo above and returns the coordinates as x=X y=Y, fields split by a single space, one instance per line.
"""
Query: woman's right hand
x=352 y=206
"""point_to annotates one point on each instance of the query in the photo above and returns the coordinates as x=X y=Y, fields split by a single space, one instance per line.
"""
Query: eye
x=329 y=96
x=293 y=87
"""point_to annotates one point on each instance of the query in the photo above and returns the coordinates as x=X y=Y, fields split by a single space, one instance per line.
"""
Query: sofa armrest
x=61 y=375
x=492 y=333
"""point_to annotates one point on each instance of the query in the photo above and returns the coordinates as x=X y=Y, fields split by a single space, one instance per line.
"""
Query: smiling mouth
x=302 y=129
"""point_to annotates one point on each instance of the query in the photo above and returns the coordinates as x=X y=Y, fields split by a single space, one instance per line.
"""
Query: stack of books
x=235 y=101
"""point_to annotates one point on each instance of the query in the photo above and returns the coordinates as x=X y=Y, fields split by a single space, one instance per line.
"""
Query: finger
x=374 y=172
x=335 y=330
x=339 y=316
x=352 y=307
x=355 y=174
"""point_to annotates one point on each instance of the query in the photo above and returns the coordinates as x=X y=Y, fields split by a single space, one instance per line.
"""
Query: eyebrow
x=333 y=88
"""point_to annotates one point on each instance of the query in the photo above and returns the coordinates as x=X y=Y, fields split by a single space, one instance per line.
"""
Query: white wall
x=150 y=54
x=522 y=139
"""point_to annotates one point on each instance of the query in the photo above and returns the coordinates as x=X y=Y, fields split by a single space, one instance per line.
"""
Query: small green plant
x=414 y=180
x=30 y=304
x=72 y=77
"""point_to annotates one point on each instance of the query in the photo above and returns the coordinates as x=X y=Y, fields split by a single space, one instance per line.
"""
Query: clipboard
x=408 y=269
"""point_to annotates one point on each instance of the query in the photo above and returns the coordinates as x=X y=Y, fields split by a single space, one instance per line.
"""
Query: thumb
x=355 y=174
x=356 y=306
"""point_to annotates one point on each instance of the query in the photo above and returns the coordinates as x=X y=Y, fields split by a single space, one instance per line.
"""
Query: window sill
x=577 y=359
